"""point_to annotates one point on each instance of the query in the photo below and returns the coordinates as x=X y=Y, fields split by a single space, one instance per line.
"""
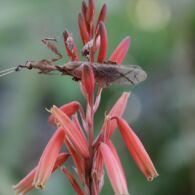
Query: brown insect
x=106 y=74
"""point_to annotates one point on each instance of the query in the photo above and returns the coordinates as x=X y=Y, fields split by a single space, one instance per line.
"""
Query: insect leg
x=44 y=66
x=27 y=65
x=53 y=48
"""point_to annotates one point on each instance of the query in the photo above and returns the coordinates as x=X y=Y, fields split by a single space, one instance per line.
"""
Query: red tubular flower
x=137 y=150
x=102 y=16
x=71 y=131
x=91 y=14
x=97 y=171
x=48 y=158
x=88 y=83
x=84 y=10
x=70 y=109
x=83 y=29
x=120 y=52
x=103 y=43
x=91 y=10
x=113 y=169
x=26 y=184
x=117 y=110
x=113 y=149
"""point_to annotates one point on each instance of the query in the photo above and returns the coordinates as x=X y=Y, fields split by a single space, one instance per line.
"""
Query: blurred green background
x=161 y=110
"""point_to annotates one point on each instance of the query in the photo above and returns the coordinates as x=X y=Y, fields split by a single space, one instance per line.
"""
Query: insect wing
x=119 y=74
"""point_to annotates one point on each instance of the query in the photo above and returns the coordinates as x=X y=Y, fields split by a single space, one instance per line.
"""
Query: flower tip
x=53 y=108
x=152 y=177
x=127 y=94
x=48 y=110
x=51 y=119
x=65 y=33
x=102 y=15
x=120 y=52
x=104 y=7
x=125 y=43
x=38 y=185
x=127 y=40
x=14 y=188
x=108 y=117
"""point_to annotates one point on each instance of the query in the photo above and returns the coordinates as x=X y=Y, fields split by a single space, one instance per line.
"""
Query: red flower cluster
x=89 y=154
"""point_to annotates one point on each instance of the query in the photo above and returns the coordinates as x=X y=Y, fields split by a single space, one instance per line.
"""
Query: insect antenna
x=7 y=71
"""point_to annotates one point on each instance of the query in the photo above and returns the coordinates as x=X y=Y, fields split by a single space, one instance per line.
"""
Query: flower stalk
x=89 y=154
